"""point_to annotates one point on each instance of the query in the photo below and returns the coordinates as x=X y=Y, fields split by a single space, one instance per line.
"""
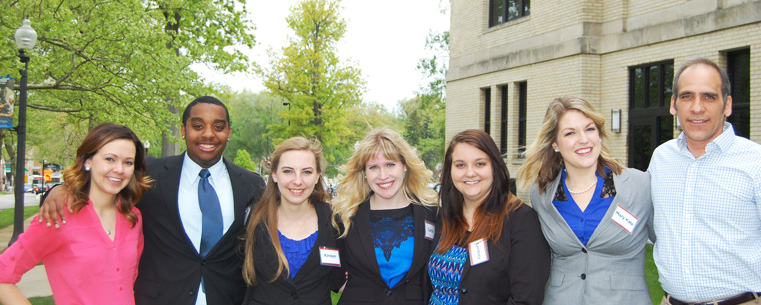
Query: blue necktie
x=211 y=230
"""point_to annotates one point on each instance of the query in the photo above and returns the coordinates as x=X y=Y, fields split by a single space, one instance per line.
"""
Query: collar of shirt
x=191 y=170
x=716 y=146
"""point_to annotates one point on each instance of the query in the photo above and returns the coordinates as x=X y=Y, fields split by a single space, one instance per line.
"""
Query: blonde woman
x=290 y=242
x=594 y=212
x=387 y=222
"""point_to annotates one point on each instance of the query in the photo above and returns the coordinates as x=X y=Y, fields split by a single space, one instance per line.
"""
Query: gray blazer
x=610 y=269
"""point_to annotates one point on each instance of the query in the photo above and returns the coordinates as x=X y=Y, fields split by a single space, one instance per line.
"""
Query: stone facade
x=586 y=48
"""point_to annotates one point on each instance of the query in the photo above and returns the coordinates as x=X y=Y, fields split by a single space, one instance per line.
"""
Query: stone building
x=509 y=58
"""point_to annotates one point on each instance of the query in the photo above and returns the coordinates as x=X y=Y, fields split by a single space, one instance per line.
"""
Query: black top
x=312 y=282
x=518 y=265
x=365 y=284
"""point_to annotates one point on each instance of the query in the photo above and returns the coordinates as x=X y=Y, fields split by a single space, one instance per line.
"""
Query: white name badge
x=329 y=257
x=624 y=219
x=430 y=230
x=479 y=252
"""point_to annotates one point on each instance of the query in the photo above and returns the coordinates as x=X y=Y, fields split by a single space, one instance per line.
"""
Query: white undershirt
x=190 y=211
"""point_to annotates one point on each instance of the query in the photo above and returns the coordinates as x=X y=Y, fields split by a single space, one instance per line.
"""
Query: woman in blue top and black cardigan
x=290 y=241
x=387 y=218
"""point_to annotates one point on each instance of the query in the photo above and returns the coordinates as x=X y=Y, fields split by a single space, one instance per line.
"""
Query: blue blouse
x=394 y=240
x=584 y=223
x=446 y=275
x=296 y=251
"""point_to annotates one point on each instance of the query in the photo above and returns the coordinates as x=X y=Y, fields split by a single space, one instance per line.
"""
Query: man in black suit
x=171 y=269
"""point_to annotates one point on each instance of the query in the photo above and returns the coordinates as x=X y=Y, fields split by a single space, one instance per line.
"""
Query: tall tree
x=250 y=114
x=424 y=116
x=115 y=61
x=315 y=83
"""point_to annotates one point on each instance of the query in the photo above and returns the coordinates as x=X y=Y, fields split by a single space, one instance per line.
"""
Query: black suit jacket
x=365 y=284
x=170 y=268
x=311 y=284
x=518 y=266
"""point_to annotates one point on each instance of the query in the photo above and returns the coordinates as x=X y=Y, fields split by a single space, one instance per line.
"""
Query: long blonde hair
x=265 y=211
x=543 y=164
x=353 y=189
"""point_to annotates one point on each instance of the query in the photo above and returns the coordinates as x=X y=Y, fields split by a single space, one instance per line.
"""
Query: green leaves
x=318 y=86
x=124 y=61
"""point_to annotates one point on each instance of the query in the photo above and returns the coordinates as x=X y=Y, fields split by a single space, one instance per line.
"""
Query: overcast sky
x=386 y=39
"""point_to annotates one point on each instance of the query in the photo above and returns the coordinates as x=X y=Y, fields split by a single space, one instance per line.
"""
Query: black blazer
x=365 y=284
x=517 y=269
x=311 y=284
x=170 y=268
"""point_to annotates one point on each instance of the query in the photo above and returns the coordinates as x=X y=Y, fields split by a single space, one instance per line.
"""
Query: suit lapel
x=323 y=235
x=240 y=200
x=421 y=251
x=622 y=196
x=168 y=183
x=365 y=237
x=549 y=196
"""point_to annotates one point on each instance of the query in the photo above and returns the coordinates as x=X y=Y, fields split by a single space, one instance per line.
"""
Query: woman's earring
x=87 y=168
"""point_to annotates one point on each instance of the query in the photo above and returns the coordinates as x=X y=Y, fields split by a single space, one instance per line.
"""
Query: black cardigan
x=517 y=269
x=365 y=284
x=312 y=282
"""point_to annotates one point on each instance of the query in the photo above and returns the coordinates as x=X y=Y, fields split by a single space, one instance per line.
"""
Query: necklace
x=108 y=232
x=584 y=190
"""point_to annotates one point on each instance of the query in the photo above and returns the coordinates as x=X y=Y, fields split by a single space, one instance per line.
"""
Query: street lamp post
x=26 y=37
x=42 y=171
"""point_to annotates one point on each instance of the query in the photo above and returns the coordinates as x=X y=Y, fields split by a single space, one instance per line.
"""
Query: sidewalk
x=35 y=282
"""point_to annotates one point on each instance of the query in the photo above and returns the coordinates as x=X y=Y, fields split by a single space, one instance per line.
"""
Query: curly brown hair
x=77 y=179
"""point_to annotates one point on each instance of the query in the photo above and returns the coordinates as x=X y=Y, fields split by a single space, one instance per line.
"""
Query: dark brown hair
x=490 y=214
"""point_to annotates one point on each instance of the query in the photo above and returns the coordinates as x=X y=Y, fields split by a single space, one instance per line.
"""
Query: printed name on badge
x=329 y=257
x=624 y=219
x=430 y=230
x=479 y=252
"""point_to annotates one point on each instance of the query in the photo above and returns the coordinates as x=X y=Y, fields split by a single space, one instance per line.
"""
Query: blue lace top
x=446 y=274
x=394 y=240
x=296 y=251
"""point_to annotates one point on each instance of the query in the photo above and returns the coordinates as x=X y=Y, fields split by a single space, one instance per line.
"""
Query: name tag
x=479 y=252
x=624 y=219
x=430 y=230
x=329 y=257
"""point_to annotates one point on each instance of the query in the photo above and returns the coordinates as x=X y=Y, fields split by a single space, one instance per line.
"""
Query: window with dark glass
x=738 y=68
x=650 y=122
x=522 y=88
x=487 y=109
x=503 y=119
x=501 y=11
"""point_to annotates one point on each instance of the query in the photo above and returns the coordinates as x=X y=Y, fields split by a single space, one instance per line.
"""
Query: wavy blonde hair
x=265 y=210
x=353 y=189
x=543 y=164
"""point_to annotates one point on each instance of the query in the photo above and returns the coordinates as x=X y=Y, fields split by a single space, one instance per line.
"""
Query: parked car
x=28 y=188
x=42 y=190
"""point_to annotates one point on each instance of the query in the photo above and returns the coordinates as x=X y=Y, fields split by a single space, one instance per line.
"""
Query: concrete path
x=35 y=282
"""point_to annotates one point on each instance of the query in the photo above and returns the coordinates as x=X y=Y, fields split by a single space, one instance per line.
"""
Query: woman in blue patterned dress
x=289 y=233
x=491 y=249
x=386 y=217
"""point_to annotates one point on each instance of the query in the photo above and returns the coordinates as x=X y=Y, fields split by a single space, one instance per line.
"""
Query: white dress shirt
x=190 y=211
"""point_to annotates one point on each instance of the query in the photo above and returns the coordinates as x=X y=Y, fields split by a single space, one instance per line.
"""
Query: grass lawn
x=42 y=301
x=6 y=215
x=651 y=275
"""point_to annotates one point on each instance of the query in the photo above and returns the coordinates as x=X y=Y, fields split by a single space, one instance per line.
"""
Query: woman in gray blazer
x=594 y=212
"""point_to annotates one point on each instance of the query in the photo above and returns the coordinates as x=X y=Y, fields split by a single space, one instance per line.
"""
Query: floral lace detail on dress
x=608 y=189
